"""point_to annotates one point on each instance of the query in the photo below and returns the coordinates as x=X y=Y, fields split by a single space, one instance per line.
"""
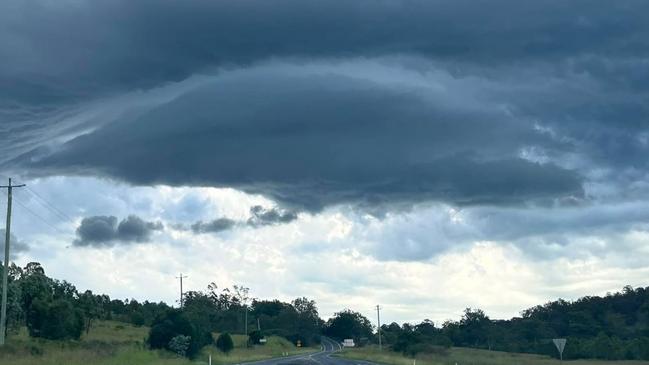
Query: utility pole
x=181 y=277
x=5 y=271
x=378 y=320
x=245 y=307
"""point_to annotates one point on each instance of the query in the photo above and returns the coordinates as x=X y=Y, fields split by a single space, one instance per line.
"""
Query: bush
x=254 y=337
x=55 y=320
x=224 y=343
x=167 y=327
x=137 y=319
x=180 y=344
x=175 y=323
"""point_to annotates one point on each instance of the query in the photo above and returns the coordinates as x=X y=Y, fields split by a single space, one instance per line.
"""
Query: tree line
x=612 y=327
x=56 y=310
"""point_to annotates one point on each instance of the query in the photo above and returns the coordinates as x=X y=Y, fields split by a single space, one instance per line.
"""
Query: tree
x=55 y=320
x=167 y=327
x=254 y=337
x=15 y=313
x=91 y=308
x=224 y=342
x=349 y=324
x=174 y=323
x=475 y=326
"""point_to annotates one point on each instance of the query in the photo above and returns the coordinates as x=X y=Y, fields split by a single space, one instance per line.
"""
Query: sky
x=424 y=155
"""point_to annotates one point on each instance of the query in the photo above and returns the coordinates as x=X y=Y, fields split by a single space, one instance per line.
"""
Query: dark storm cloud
x=65 y=50
x=215 y=226
x=104 y=231
x=566 y=78
x=261 y=216
x=310 y=140
x=16 y=246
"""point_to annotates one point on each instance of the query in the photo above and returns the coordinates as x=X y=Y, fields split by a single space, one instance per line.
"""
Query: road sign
x=560 y=343
x=299 y=343
x=262 y=340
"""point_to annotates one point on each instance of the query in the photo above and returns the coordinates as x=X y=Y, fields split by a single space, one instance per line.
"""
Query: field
x=116 y=343
x=464 y=356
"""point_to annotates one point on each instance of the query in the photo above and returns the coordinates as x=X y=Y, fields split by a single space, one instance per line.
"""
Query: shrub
x=180 y=344
x=224 y=343
x=254 y=337
x=172 y=324
x=166 y=328
x=55 y=320
x=137 y=319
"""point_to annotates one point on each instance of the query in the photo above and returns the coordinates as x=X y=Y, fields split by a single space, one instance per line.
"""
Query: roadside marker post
x=560 y=344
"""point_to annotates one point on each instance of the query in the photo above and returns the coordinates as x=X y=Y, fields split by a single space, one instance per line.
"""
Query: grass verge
x=465 y=356
x=275 y=347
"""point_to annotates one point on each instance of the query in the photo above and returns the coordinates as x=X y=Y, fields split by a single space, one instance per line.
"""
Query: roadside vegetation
x=118 y=343
x=465 y=356
x=274 y=347
x=107 y=343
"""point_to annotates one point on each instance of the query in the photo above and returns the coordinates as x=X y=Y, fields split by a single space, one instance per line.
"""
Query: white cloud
x=340 y=256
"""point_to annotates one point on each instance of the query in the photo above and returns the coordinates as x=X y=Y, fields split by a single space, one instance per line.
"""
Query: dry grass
x=108 y=343
x=464 y=356
x=116 y=343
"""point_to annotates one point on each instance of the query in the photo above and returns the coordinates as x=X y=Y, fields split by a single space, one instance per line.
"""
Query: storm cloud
x=107 y=45
x=105 y=231
x=215 y=226
x=259 y=217
x=309 y=137
x=321 y=103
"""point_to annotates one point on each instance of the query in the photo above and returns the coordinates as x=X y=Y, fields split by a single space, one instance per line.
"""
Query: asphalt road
x=329 y=347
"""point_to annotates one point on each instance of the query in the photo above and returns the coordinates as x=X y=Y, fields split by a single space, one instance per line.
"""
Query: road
x=329 y=347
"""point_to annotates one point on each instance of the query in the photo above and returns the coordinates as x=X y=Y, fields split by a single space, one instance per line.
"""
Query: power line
x=45 y=203
x=39 y=217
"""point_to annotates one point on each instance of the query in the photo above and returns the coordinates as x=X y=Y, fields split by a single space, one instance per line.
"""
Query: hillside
x=118 y=343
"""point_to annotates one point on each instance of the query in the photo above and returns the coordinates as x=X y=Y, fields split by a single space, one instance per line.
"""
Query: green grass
x=275 y=347
x=465 y=356
x=116 y=343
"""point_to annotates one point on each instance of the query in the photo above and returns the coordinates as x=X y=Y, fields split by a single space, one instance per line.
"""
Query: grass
x=116 y=343
x=275 y=347
x=465 y=356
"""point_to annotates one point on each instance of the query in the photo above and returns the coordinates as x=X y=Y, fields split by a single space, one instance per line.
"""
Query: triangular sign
x=560 y=343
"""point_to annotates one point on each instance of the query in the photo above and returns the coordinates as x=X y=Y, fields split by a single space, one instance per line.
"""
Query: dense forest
x=612 y=327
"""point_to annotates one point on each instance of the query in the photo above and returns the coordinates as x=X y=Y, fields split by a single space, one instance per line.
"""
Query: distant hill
x=615 y=326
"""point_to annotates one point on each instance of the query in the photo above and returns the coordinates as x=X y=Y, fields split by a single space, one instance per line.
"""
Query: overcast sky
x=425 y=155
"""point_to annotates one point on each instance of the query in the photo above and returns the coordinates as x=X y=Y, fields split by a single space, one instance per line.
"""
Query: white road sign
x=560 y=343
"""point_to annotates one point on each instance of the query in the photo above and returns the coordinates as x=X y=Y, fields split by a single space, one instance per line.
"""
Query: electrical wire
x=37 y=215
x=45 y=203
